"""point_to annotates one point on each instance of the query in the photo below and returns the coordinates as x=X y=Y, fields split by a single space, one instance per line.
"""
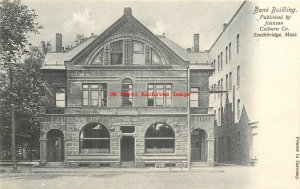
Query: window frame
x=93 y=150
x=159 y=150
x=129 y=89
x=163 y=97
x=65 y=96
x=198 y=97
x=102 y=94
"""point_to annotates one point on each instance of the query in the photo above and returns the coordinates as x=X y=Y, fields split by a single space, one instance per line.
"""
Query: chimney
x=196 y=42
x=58 y=43
x=224 y=26
x=127 y=11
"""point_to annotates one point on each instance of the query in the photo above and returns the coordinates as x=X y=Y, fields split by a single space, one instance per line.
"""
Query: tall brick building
x=122 y=99
x=129 y=98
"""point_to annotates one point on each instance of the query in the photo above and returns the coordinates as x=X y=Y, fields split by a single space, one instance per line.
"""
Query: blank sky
x=179 y=20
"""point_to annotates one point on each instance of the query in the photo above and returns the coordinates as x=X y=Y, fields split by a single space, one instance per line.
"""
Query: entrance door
x=55 y=146
x=199 y=145
x=127 y=148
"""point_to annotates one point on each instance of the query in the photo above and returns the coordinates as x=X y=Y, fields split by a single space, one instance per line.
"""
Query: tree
x=16 y=22
x=46 y=46
x=80 y=38
x=28 y=85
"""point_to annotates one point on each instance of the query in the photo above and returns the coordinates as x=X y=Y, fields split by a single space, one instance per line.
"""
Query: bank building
x=95 y=115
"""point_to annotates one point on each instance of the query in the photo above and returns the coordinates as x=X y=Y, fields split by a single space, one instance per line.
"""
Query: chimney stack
x=224 y=26
x=58 y=46
x=127 y=11
x=196 y=42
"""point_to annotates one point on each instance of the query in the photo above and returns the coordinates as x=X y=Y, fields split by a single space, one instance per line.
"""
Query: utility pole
x=13 y=121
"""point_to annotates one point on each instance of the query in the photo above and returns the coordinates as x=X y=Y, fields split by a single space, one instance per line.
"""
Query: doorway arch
x=199 y=145
x=55 y=146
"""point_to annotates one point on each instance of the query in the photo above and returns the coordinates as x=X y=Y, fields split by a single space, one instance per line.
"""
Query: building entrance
x=127 y=148
x=55 y=146
x=199 y=145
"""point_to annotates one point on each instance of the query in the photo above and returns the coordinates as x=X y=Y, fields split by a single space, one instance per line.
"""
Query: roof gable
x=128 y=26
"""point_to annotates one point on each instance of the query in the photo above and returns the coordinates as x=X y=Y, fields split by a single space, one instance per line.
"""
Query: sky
x=179 y=20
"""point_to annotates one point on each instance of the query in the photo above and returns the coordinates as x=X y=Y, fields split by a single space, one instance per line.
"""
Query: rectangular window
x=221 y=64
x=219 y=89
x=94 y=95
x=238 y=76
x=117 y=53
x=159 y=95
x=127 y=92
x=60 y=97
x=237 y=43
x=230 y=81
x=221 y=84
x=218 y=62
x=238 y=109
x=215 y=90
x=226 y=85
x=194 y=98
x=229 y=51
x=226 y=55
x=138 y=56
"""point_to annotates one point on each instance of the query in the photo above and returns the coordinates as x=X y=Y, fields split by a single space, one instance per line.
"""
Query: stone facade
x=68 y=114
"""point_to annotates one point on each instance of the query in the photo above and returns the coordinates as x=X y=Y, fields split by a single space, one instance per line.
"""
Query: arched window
x=159 y=138
x=94 y=138
x=99 y=58
x=127 y=93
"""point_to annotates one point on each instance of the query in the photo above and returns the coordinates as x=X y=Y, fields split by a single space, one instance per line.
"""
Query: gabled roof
x=129 y=18
x=54 y=60
x=173 y=50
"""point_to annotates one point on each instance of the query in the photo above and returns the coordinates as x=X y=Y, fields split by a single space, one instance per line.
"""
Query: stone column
x=43 y=151
x=210 y=151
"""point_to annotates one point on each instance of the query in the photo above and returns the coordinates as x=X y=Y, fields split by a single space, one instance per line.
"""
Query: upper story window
x=237 y=43
x=226 y=55
x=238 y=76
x=221 y=64
x=238 y=109
x=194 y=98
x=99 y=58
x=127 y=92
x=218 y=62
x=230 y=81
x=60 y=97
x=229 y=51
x=138 y=53
x=226 y=83
x=116 y=53
x=127 y=51
x=94 y=95
x=159 y=95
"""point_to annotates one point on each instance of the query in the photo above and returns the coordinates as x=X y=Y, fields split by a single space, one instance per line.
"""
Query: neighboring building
x=233 y=57
x=89 y=118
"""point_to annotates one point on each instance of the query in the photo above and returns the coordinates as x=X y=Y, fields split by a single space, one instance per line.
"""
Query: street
x=225 y=177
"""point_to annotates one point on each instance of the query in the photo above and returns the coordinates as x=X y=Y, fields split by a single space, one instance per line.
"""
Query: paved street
x=218 y=177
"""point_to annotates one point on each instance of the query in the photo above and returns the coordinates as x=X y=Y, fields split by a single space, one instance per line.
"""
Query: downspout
x=189 y=120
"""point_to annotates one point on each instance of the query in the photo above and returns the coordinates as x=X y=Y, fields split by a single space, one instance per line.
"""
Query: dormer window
x=117 y=53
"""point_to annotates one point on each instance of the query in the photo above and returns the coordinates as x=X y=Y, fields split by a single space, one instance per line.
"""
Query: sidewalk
x=94 y=171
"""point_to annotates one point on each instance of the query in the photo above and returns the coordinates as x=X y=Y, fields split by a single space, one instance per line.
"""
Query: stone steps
x=129 y=164
x=199 y=164
x=55 y=165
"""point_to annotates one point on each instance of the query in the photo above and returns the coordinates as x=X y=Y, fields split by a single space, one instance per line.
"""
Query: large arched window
x=159 y=138
x=94 y=138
